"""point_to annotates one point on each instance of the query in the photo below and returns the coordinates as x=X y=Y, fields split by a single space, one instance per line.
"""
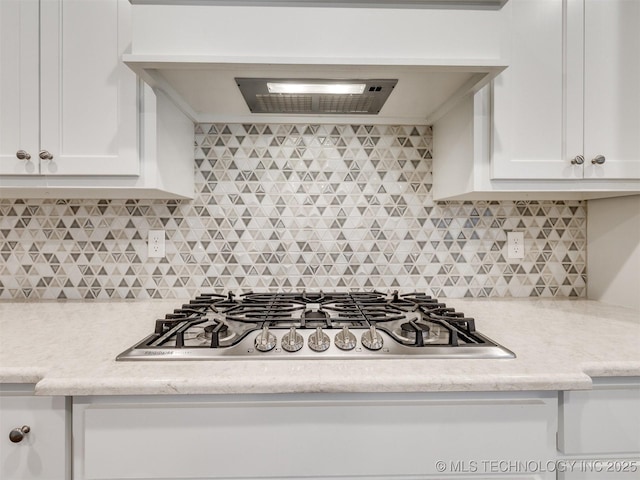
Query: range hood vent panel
x=370 y=102
x=438 y=56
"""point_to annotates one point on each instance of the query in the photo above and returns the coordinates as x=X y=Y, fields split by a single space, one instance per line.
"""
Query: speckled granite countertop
x=69 y=348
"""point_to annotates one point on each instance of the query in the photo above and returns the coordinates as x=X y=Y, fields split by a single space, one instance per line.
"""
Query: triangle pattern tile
x=288 y=206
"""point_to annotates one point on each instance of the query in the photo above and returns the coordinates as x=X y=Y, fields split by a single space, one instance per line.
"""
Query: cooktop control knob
x=345 y=340
x=372 y=339
x=319 y=341
x=292 y=341
x=266 y=340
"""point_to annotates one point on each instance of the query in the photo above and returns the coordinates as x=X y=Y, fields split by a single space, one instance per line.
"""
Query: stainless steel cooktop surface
x=314 y=325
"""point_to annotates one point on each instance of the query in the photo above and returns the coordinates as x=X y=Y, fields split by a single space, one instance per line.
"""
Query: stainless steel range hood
x=315 y=96
x=433 y=58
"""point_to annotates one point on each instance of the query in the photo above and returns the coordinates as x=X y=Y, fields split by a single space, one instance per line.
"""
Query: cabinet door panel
x=19 y=88
x=612 y=88
x=528 y=102
x=600 y=421
x=88 y=100
x=42 y=453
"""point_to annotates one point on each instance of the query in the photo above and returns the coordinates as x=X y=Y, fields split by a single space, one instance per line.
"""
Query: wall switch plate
x=156 y=243
x=515 y=245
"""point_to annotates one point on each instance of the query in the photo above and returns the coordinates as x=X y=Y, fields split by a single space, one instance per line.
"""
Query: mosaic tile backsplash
x=283 y=207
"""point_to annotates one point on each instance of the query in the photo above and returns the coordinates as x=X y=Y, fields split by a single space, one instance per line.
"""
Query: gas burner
x=316 y=315
x=416 y=332
x=312 y=325
x=217 y=334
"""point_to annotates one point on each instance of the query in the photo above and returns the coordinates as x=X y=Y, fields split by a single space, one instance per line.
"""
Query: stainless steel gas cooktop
x=321 y=325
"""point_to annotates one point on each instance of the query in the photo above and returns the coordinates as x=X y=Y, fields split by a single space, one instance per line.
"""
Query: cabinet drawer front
x=603 y=421
x=301 y=439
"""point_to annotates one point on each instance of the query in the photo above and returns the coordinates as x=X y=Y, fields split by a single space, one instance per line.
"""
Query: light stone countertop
x=69 y=348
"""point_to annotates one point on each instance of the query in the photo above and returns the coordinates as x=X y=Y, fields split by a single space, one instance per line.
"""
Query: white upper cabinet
x=568 y=106
x=74 y=119
x=68 y=101
x=562 y=121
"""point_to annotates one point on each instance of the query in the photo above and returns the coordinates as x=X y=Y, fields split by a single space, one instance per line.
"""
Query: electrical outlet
x=156 y=244
x=515 y=245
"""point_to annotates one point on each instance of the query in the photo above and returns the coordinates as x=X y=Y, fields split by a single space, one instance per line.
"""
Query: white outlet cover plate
x=156 y=244
x=515 y=245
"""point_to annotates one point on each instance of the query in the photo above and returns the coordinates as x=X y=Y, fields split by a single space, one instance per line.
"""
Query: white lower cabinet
x=321 y=436
x=43 y=452
x=573 y=435
x=599 y=431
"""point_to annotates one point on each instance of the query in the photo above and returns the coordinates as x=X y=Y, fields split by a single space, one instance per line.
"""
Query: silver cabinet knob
x=23 y=155
x=372 y=339
x=17 y=434
x=292 y=341
x=45 y=155
x=577 y=160
x=319 y=341
x=598 y=160
x=265 y=341
x=345 y=340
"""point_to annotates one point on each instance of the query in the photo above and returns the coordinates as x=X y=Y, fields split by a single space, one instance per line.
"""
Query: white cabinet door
x=19 y=87
x=88 y=103
x=605 y=420
x=599 y=430
x=612 y=88
x=43 y=452
x=528 y=104
x=65 y=89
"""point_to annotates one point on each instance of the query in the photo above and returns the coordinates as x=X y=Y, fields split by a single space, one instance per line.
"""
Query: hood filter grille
x=295 y=103
x=284 y=103
x=347 y=104
x=370 y=102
